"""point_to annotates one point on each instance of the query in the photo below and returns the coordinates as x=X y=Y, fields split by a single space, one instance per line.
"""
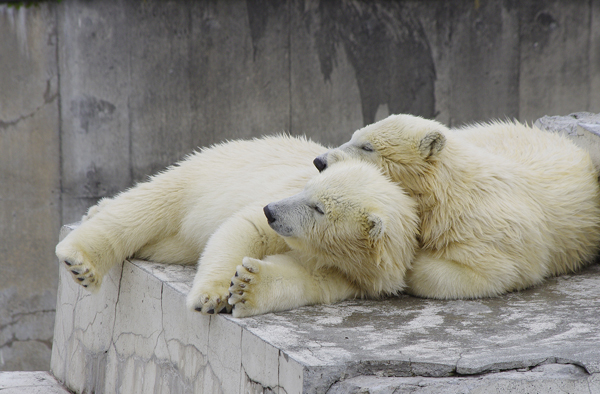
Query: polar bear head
x=354 y=219
x=404 y=146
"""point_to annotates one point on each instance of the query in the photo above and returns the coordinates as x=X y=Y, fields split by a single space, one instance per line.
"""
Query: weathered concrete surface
x=405 y=336
x=30 y=192
x=549 y=378
x=30 y=383
x=137 y=336
x=583 y=128
x=147 y=82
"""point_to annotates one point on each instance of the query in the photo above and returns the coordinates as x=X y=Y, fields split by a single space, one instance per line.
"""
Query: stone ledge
x=30 y=383
x=136 y=336
x=549 y=378
x=583 y=128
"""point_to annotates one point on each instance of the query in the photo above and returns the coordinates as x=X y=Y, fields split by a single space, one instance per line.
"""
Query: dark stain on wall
x=259 y=12
x=384 y=42
x=91 y=112
x=388 y=49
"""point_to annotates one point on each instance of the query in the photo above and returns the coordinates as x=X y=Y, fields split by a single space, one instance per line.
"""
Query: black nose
x=321 y=163
x=268 y=214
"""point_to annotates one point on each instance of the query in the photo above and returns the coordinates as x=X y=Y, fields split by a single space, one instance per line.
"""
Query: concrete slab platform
x=136 y=336
x=30 y=383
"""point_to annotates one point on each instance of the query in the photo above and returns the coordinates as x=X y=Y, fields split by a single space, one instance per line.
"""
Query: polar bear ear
x=376 y=227
x=432 y=144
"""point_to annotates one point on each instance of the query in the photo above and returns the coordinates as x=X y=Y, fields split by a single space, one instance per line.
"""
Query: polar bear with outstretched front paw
x=351 y=232
x=502 y=205
x=207 y=209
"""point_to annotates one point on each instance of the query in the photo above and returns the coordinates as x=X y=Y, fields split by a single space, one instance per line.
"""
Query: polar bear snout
x=279 y=218
x=268 y=214
x=321 y=162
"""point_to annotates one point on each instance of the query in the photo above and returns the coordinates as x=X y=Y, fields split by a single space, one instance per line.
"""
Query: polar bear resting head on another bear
x=495 y=207
x=351 y=232
x=502 y=205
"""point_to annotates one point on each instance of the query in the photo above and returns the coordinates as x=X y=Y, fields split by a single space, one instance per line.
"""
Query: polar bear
x=352 y=234
x=502 y=205
x=209 y=209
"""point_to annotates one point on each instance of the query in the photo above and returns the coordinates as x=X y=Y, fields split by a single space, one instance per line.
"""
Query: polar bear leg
x=432 y=277
x=117 y=229
x=245 y=234
x=279 y=283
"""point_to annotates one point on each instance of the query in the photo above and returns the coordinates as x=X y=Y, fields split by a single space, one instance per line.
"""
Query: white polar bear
x=352 y=233
x=209 y=209
x=502 y=205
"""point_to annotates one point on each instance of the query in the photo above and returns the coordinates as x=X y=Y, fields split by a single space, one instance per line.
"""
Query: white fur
x=352 y=233
x=206 y=209
x=502 y=205
x=209 y=209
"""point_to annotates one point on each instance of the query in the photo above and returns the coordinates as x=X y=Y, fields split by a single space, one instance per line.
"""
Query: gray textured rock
x=30 y=383
x=550 y=378
x=137 y=336
x=583 y=128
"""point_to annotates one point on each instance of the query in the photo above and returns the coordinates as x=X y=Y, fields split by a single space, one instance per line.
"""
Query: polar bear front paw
x=82 y=271
x=209 y=299
x=243 y=288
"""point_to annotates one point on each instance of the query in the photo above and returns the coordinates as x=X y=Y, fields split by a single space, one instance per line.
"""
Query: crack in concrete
x=13 y=339
x=48 y=99
x=276 y=389
x=112 y=333
x=16 y=317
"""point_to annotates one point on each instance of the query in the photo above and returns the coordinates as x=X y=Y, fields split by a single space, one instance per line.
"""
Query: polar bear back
x=550 y=185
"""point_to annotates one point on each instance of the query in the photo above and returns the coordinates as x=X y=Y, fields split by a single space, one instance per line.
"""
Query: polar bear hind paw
x=241 y=290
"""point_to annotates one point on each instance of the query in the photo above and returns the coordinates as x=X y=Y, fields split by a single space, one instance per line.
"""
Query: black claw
x=223 y=309
x=231 y=285
x=75 y=272
x=68 y=263
x=198 y=308
x=211 y=311
x=230 y=294
x=80 y=279
x=236 y=274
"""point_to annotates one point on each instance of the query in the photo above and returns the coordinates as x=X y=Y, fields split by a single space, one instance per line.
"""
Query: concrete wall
x=29 y=186
x=97 y=95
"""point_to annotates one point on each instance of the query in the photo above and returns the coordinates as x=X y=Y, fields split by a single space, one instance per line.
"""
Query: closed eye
x=367 y=148
x=318 y=210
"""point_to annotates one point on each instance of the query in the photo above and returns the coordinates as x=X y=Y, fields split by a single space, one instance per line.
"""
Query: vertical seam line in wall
x=590 y=59
x=289 y=28
x=520 y=46
x=129 y=88
x=59 y=109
